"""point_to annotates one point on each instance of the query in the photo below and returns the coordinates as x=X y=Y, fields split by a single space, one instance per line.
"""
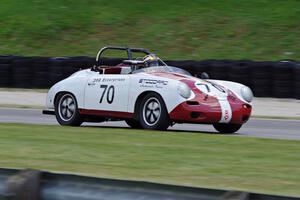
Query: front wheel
x=66 y=110
x=227 y=128
x=153 y=113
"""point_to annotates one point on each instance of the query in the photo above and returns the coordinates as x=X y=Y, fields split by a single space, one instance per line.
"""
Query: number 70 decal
x=110 y=94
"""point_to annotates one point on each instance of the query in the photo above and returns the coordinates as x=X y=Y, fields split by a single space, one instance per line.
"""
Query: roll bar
x=127 y=49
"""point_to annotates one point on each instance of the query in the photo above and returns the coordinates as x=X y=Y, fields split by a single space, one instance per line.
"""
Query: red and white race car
x=148 y=94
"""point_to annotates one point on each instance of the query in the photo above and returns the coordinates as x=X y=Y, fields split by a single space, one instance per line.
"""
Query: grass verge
x=202 y=160
x=200 y=29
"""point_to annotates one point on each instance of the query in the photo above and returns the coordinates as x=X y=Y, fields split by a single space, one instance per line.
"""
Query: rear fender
x=73 y=85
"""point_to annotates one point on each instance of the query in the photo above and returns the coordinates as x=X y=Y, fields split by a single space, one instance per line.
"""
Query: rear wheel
x=133 y=123
x=66 y=110
x=227 y=128
x=153 y=113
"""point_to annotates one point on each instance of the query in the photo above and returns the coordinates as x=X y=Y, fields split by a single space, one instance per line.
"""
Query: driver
x=151 y=60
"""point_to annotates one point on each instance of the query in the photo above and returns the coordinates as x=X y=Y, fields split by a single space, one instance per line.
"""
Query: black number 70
x=110 y=94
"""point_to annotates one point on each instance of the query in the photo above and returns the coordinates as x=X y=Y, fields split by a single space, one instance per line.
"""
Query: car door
x=107 y=92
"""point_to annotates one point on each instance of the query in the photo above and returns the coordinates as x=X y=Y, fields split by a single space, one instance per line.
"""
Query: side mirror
x=204 y=75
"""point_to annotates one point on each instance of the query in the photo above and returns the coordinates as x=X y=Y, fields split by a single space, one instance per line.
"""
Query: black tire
x=62 y=112
x=156 y=111
x=133 y=123
x=227 y=128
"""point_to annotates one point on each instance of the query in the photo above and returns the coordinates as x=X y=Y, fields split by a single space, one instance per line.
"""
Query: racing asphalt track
x=265 y=128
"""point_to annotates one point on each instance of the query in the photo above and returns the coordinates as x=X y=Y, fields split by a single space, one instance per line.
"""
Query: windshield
x=162 y=69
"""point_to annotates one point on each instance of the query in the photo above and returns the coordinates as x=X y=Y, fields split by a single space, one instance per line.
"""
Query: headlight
x=247 y=94
x=184 y=90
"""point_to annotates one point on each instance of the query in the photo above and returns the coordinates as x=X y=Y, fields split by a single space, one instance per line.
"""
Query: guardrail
x=279 y=79
x=37 y=185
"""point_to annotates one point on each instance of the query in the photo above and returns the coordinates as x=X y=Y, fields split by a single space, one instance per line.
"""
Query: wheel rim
x=67 y=107
x=151 y=111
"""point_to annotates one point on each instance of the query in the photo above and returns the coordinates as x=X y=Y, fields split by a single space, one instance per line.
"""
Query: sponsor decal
x=113 y=79
x=97 y=80
x=152 y=83
x=105 y=80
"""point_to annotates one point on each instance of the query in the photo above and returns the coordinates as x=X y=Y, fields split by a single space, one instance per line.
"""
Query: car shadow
x=167 y=131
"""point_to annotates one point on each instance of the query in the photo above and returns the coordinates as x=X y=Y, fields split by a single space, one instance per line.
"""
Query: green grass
x=202 y=160
x=200 y=29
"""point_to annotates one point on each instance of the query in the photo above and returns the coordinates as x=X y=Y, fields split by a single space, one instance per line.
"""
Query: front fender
x=167 y=91
x=234 y=87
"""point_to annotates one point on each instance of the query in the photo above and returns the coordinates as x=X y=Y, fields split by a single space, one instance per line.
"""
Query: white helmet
x=151 y=60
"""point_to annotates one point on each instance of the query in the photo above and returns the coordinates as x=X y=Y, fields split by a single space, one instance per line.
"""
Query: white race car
x=148 y=94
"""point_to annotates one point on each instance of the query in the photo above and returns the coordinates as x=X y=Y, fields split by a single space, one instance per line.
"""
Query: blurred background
x=199 y=29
